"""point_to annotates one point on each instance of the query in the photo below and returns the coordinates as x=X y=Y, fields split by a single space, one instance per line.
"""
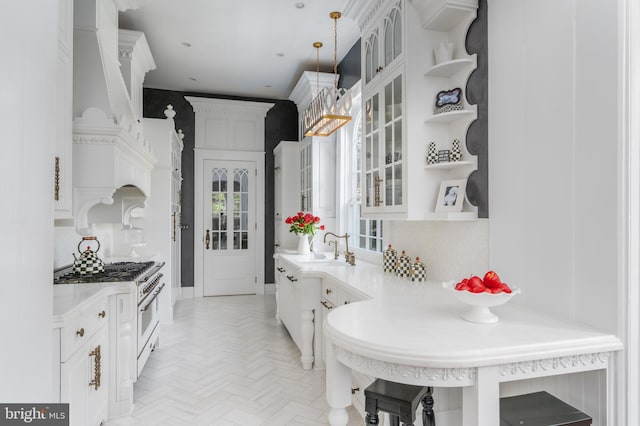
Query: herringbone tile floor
x=225 y=362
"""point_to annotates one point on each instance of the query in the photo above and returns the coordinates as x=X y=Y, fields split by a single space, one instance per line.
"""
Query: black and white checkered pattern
x=403 y=265
x=448 y=108
x=418 y=271
x=456 y=152
x=389 y=259
x=88 y=264
x=432 y=153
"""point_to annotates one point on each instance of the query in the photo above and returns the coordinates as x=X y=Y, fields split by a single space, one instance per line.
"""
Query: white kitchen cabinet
x=397 y=50
x=298 y=302
x=286 y=192
x=84 y=364
x=334 y=295
x=161 y=221
x=62 y=181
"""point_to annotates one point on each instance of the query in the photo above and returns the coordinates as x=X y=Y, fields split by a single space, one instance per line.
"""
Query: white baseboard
x=270 y=288
x=186 y=293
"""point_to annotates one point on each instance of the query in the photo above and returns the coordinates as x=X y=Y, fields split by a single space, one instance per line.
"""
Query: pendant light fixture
x=330 y=109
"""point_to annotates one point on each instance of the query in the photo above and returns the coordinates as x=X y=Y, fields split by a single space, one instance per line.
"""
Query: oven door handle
x=153 y=297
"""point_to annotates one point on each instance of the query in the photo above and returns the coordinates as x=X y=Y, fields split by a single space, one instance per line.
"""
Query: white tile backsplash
x=450 y=250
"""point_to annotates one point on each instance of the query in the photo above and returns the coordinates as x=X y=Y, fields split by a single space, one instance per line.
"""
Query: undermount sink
x=320 y=258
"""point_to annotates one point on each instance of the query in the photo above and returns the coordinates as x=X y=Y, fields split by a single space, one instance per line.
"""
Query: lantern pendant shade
x=330 y=109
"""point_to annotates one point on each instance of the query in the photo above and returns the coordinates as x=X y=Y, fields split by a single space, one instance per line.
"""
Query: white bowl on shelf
x=479 y=303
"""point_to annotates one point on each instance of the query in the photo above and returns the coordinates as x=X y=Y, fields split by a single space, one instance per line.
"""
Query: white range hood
x=109 y=149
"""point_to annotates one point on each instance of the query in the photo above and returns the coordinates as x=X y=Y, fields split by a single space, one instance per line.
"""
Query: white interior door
x=229 y=217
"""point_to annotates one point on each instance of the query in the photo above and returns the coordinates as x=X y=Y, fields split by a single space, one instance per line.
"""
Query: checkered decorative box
x=456 y=152
x=443 y=156
x=403 y=265
x=389 y=259
x=448 y=108
x=432 y=153
x=418 y=271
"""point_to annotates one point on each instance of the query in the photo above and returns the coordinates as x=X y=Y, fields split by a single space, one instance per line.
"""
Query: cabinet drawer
x=81 y=327
x=330 y=291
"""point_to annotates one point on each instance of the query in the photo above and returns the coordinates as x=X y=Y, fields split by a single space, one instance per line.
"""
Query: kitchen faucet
x=348 y=256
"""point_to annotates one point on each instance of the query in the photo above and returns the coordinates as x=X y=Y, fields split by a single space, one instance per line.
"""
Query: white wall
x=553 y=154
x=554 y=164
x=27 y=111
x=449 y=250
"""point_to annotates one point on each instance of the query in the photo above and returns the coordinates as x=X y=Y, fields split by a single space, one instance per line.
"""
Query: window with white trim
x=365 y=233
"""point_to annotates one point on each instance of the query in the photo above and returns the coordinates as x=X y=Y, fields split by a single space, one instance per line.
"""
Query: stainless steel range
x=149 y=283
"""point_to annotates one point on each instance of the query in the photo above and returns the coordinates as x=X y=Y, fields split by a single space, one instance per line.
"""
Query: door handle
x=207 y=240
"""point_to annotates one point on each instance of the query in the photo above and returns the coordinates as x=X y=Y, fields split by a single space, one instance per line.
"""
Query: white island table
x=413 y=333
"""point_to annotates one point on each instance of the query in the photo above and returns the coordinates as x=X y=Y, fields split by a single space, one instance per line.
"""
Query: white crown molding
x=309 y=85
x=133 y=44
x=363 y=11
x=230 y=108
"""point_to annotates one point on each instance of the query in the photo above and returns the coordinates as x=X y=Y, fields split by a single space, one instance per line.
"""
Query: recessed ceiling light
x=268 y=86
x=192 y=79
x=280 y=54
x=300 y=5
x=185 y=44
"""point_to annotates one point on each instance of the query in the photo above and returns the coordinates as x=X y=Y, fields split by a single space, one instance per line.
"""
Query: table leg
x=338 y=388
x=481 y=402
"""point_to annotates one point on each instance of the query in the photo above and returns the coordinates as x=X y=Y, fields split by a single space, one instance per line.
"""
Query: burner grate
x=113 y=272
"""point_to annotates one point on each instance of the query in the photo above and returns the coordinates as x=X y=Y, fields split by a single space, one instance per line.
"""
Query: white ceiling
x=255 y=48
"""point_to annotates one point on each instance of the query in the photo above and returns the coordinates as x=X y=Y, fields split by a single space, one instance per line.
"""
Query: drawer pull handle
x=80 y=332
x=102 y=314
x=280 y=269
x=292 y=278
x=326 y=305
x=328 y=291
x=97 y=369
x=346 y=302
x=354 y=390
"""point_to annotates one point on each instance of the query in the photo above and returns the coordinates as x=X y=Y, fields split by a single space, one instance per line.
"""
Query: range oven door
x=148 y=330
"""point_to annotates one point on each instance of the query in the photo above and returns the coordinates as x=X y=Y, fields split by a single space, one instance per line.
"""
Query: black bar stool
x=540 y=409
x=400 y=401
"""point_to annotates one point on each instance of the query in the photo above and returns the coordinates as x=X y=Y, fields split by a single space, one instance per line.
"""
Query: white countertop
x=71 y=298
x=418 y=323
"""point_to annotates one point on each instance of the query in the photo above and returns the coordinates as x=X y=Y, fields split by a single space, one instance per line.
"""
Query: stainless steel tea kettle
x=88 y=262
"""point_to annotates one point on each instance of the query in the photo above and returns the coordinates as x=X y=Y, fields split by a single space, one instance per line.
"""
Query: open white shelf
x=444 y=15
x=450 y=165
x=451 y=216
x=449 y=68
x=448 y=117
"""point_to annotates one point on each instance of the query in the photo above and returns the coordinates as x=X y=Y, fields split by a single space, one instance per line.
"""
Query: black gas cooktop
x=113 y=272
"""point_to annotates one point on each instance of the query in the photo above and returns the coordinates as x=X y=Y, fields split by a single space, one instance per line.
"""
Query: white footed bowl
x=479 y=303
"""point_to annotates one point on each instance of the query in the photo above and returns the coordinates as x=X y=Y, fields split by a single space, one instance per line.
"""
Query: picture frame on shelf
x=451 y=195
x=449 y=97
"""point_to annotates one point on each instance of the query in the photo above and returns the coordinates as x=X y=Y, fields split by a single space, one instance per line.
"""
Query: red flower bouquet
x=304 y=223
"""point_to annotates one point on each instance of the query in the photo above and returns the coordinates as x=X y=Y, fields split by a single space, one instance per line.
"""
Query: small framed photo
x=451 y=195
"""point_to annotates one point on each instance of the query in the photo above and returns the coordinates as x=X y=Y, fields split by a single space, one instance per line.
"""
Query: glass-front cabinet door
x=382 y=162
x=382 y=44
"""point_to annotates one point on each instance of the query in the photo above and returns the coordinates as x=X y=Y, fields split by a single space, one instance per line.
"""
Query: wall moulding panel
x=229 y=124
